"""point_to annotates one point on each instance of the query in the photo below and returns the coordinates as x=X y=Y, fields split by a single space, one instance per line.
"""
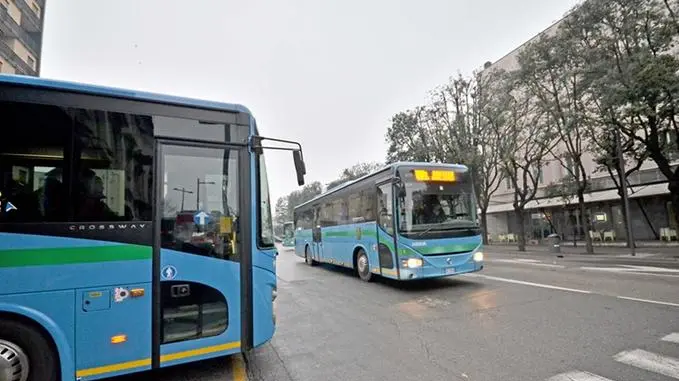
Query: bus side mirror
x=300 y=168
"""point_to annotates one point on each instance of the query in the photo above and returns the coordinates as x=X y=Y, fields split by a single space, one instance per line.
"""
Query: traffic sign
x=201 y=218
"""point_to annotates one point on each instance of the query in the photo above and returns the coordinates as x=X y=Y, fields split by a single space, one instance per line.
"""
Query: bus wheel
x=363 y=266
x=307 y=258
x=25 y=355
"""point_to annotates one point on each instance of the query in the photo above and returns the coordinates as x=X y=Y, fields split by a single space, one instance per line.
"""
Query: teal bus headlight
x=412 y=263
x=478 y=256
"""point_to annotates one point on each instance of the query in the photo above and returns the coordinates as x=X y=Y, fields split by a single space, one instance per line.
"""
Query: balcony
x=11 y=29
x=16 y=61
x=29 y=20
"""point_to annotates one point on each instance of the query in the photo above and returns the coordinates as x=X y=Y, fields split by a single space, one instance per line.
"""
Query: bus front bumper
x=429 y=271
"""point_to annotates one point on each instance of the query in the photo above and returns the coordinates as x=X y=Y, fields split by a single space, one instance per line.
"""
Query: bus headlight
x=478 y=256
x=412 y=263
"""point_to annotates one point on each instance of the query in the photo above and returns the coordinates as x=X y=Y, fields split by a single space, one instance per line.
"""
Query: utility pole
x=623 y=187
x=198 y=183
x=184 y=192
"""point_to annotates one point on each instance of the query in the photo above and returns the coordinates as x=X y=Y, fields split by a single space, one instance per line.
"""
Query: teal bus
x=135 y=231
x=406 y=221
x=289 y=234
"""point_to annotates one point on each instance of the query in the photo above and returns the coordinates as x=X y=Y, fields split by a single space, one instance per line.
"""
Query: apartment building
x=649 y=197
x=21 y=25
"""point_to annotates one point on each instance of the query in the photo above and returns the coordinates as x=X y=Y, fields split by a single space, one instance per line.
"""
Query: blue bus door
x=200 y=247
x=386 y=240
x=317 y=245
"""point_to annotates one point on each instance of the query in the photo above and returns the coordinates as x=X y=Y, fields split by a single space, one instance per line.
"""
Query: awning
x=607 y=195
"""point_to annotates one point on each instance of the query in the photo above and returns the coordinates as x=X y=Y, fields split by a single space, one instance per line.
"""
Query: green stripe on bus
x=69 y=255
x=452 y=248
x=349 y=233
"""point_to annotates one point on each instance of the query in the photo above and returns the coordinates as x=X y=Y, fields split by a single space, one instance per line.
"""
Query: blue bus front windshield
x=288 y=231
x=430 y=210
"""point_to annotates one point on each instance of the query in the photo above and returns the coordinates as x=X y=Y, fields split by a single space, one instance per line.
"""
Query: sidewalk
x=667 y=252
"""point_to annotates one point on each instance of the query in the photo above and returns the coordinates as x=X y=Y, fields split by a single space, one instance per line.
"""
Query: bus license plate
x=450 y=270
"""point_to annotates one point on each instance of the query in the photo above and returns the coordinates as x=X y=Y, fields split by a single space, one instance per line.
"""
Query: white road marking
x=652 y=362
x=530 y=262
x=549 y=286
x=636 y=255
x=652 y=269
x=649 y=301
x=636 y=270
x=672 y=338
x=578 y=376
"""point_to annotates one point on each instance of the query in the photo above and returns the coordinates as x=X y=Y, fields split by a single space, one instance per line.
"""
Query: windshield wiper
x=462 y=228
x=423 y=232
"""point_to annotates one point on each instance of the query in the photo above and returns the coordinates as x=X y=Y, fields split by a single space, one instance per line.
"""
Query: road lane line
x=238 y=368
x=658 y=271
x=515 y=281
x=521 y=262
x=672 y=338
x=649 y=301
x=652 y=362
x=578 y=376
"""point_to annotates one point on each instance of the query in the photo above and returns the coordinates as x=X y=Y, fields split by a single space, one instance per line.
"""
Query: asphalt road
x=531 y=318
x=524 y=317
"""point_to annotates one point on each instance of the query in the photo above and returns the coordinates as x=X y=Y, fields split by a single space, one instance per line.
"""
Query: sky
x=328 y=74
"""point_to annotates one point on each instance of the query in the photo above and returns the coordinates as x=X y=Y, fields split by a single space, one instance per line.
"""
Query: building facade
x=21 y=26
x=651 y=212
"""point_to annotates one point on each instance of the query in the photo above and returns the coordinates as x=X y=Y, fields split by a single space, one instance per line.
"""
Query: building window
x=572 y=169
x=1 y=66
x=508 y=181
x=538 y=174
x=30 y=61
x=35 y=8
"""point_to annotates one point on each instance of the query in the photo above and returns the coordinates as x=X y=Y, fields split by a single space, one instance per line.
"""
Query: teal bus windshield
x=289 y=234
x=407 y=221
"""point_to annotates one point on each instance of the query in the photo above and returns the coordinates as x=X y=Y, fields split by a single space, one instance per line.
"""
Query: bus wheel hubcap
x=362 y=263
x=13 y=362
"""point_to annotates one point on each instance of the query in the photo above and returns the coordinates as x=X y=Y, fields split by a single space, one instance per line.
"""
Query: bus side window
x=384 y=208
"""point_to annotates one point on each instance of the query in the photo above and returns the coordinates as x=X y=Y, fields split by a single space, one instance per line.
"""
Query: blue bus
x=135 y=231
x=289 y=234
x=406 y=221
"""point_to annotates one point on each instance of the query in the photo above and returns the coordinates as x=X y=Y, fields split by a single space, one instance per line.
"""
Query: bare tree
x=524 y=141
x=553 y=72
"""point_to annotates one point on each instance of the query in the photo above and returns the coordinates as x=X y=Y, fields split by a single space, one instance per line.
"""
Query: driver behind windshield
x=432 y=211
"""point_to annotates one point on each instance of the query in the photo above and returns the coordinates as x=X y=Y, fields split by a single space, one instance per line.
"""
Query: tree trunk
x=518 y=213
x=484 y=225
x=588 y=223
x=648 y=220
x=674 y=196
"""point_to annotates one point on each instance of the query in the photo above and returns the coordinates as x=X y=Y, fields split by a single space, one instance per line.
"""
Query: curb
x=238 y=368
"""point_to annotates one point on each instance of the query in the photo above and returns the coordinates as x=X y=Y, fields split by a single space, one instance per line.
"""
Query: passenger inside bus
x=90 y=204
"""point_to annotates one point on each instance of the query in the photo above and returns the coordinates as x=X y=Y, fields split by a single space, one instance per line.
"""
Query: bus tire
x=363 y=266
x=307 y=257
x=24 y=349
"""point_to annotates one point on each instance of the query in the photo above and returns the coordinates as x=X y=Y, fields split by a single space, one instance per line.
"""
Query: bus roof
x=51 y=84
x=389 y=167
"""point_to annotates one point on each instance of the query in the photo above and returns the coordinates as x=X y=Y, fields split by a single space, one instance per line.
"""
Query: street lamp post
x=623 y=188
x=198 y=184
x=184 y=192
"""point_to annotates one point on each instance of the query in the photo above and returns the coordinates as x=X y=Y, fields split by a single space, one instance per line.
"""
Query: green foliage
x=285 y=205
